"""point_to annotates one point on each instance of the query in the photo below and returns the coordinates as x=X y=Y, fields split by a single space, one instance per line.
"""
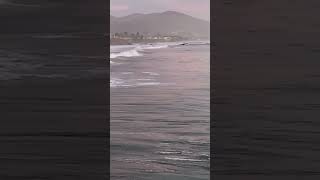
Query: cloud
x=119 y=7
x=197 y=8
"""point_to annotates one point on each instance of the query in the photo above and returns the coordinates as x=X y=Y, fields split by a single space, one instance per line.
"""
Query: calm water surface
x=160 y=111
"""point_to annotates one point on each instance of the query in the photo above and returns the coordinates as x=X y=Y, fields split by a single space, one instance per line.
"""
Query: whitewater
x=121 y=53
x=133 y=50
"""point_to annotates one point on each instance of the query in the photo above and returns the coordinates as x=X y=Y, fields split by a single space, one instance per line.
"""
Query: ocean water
x=160 y=112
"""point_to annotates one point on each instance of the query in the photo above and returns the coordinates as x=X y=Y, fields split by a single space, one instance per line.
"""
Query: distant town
x=130 y=38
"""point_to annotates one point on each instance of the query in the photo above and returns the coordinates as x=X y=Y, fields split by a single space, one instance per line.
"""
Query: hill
x=169 y=22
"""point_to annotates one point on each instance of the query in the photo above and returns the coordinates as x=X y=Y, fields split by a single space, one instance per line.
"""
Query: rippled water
x=160 y=112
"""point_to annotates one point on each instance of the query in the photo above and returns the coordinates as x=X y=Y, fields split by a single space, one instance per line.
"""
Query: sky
x=196 y=8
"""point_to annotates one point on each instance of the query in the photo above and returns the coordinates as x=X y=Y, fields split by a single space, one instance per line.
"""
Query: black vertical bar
x=265 y=83
x=108 y=88
x=212 y=59
x=54 y=90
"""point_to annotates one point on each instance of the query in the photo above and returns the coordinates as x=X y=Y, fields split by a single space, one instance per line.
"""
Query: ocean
x=160 y=111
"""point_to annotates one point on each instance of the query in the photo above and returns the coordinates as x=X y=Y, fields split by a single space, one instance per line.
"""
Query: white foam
x=114 y=82
x=183 y=159
x=145 y=79
x=133 y=50
x=148 y=83
x=146 y=47
x=128 y=53
x=169 y=152
x=112 y=63
x=151 y=73
x=127 y=73
x=117 y=82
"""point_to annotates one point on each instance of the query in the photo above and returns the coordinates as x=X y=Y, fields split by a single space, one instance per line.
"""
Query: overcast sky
x=196 y=8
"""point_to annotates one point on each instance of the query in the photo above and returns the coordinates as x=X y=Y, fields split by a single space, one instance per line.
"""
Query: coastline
x=125 y=42
x=119 y=43
x=115 y=42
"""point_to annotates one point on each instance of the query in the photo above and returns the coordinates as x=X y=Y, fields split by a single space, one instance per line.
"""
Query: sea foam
x=134 y=50
x=128 y=53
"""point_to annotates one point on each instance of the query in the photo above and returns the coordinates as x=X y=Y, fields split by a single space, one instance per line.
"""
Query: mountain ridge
x=168 y=22
x=164 y=12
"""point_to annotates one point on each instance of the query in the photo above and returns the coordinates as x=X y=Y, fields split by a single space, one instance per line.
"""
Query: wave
x=146 y=47
x=115 y=82
x=151 y=73
x=128 y=53
x=148 y=83
x=192 y=44
x=183 y=159
x=125 y=82
x=169 y=152
x=134 y=51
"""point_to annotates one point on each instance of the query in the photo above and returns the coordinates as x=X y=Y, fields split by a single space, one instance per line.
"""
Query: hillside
x=169 y=22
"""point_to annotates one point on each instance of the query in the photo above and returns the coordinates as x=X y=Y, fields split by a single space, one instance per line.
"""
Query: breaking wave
x=146 y=47
x=128 y=53
x=136 y=50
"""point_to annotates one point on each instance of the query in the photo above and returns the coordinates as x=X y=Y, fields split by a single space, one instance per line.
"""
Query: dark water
x=160 y=113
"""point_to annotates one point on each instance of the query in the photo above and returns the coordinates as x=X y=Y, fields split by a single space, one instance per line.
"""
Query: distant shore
x=126 y=42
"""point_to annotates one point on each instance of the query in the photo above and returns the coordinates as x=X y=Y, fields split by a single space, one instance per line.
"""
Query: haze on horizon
x=196 y=8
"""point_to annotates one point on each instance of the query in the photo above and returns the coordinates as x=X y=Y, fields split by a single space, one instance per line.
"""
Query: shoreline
x=156 y=42
x=126 y=42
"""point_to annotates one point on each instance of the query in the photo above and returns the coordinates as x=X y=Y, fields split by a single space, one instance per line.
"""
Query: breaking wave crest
x=135 y=51
x=128 y=53
x=146 y=47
